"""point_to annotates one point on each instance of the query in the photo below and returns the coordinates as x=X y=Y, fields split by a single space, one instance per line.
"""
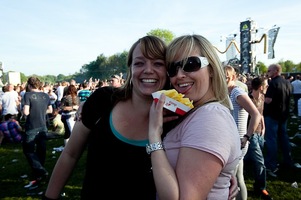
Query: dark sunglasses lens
x=193 y=64
x=173 y=69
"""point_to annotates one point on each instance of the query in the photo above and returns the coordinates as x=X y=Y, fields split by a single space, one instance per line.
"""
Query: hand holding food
x=174 y=101
x=172 y=93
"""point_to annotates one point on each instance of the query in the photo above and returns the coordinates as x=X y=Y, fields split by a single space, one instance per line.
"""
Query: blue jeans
x=276 y=131
x=296 y=98
x=34 y=149
x=256 y=156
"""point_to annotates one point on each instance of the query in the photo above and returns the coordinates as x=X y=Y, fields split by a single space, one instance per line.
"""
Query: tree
x=50 y=79
x=23 y=77
x=60 y=78
x=96 y=68
x=164 y=34
x=117 y=63
x=287 y=66
x=103 y=67
x=261 y=68
x=298 y=68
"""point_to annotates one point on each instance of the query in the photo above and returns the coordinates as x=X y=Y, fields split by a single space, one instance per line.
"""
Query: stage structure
x=244 y=54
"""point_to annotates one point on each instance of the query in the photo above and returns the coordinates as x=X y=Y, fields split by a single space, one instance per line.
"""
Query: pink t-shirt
x=212 y=129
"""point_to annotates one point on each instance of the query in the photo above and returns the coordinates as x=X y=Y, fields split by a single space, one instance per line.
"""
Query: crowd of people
x=271 y=94
x=11 y=105
x=157 y=152
x=31 y=114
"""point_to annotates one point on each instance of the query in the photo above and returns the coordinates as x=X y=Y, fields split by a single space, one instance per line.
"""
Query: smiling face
x=200 y=75
x=148 y=75
x=196 y=85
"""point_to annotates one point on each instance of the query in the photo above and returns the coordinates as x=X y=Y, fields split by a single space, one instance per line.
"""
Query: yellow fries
x=178 y=97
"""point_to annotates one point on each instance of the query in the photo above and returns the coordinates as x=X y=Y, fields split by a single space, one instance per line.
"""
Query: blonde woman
x=197 y=158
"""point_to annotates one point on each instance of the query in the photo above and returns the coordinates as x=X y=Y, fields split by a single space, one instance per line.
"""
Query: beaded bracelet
x=154 y=147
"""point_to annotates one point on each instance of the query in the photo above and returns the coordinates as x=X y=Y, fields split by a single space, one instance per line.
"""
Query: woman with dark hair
x=114 y=127
x=69 y=105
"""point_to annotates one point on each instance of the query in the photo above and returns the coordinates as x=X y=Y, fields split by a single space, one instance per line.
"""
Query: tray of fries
x=174 y=101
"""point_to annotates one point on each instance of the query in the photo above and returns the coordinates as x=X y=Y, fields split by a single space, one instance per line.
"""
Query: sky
x=58 y=37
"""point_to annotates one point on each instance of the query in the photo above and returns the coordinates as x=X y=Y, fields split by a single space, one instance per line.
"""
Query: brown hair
x=34 y=82
x=152 y=47
x=72 y=91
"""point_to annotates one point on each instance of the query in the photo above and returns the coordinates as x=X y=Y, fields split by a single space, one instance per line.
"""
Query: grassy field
x=13 y=165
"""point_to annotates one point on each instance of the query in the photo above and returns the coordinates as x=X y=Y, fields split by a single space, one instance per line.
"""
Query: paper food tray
x=172 y=104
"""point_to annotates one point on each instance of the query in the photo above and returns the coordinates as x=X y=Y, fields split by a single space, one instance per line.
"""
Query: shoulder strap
x=98 y=106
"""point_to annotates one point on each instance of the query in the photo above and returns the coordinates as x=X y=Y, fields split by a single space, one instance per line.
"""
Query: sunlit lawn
x=13 y=165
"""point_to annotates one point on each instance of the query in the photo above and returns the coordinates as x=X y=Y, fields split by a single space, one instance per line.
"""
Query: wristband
x=154 y=147
x=246 y=136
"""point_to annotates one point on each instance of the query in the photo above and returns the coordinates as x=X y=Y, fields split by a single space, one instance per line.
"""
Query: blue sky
x=59 y=37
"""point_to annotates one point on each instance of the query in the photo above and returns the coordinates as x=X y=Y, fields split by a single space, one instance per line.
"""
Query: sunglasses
x=191 y=64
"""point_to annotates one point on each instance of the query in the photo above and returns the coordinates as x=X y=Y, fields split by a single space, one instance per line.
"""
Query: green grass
x=13 y=164
x=280 y=187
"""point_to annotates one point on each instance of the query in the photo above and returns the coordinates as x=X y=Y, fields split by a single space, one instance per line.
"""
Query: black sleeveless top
x=113 y=163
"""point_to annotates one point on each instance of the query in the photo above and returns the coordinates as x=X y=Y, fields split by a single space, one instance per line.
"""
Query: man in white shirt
x=10 y=102
x=60 y=93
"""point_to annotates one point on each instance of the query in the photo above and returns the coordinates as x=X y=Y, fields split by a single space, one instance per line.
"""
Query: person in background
x=240 y=80
x=36 y=106
x=276 y=113
x=290 y=78
x=1 y=133
x=85 y=92
x=102 y=83
x=60 y=92
x=255 y=150
x=249 y=84
x=18 y=88
x=58 y=128
x=69 y=104
x=47 y=88
x=71 y=82
x=10 y=102
x=243 y=108
x=115 y=81
x=11 y=130
x=52 y=96
x=296 y=92
x=199 y=155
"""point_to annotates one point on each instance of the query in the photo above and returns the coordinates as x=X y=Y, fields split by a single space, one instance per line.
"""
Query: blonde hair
x=229 y=71
x=184 y=46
